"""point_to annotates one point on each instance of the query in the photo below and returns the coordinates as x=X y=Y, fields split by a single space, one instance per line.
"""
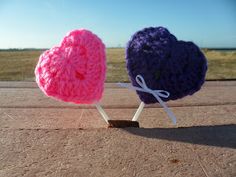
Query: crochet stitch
x=165 y=63
x=75 y=70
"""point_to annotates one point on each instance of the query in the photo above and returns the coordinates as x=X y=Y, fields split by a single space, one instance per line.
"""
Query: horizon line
x=35 y=48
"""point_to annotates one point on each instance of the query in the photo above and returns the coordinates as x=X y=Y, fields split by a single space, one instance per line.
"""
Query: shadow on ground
x=215 y=135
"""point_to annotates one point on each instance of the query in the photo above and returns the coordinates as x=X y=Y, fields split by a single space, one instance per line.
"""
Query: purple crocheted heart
x=165 y=63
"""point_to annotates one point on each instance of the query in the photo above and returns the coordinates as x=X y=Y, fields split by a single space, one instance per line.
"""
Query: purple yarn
x=165 y=63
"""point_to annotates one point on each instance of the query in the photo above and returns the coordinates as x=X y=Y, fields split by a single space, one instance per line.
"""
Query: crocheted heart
x=165 y=63
x=75 y=70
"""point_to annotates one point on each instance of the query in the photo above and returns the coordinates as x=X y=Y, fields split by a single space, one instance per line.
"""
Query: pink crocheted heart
x=75 y=70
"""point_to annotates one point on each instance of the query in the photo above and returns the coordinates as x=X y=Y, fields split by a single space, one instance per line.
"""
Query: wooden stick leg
x=102 y=112
x=138 y=112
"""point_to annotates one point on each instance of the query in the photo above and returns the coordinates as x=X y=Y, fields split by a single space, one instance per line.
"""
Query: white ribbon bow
x=156 y=93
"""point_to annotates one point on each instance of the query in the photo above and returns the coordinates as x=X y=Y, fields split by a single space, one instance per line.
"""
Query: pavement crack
x=78 y=122
x=9 y=116
x=199 y=161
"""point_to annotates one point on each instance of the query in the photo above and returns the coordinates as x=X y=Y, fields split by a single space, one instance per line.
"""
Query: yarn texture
x=165 y=63
x=75 y=70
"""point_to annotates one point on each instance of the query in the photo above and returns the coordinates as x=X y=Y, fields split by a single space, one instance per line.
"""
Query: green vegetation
x=221 y=65
x=19 y=64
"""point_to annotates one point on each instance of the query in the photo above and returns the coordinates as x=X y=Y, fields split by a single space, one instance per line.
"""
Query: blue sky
x=43 y=23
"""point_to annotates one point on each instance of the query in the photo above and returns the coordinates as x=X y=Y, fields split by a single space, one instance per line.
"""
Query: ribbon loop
x=141 y=82
x=162 y=93
x=156 y=93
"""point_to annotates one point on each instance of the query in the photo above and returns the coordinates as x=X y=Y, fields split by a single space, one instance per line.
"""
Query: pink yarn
x=75 y=70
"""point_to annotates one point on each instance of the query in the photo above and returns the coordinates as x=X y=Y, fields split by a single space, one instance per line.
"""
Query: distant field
x=19 y=65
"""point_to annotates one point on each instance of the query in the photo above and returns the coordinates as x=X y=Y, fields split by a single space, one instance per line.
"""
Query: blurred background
x=29 y=27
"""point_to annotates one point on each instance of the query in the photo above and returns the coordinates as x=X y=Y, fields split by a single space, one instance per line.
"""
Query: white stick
x=138 y=112
x=102 y=112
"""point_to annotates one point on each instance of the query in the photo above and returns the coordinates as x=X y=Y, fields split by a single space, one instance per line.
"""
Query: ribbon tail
x=167 y=110
x=125 y=85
